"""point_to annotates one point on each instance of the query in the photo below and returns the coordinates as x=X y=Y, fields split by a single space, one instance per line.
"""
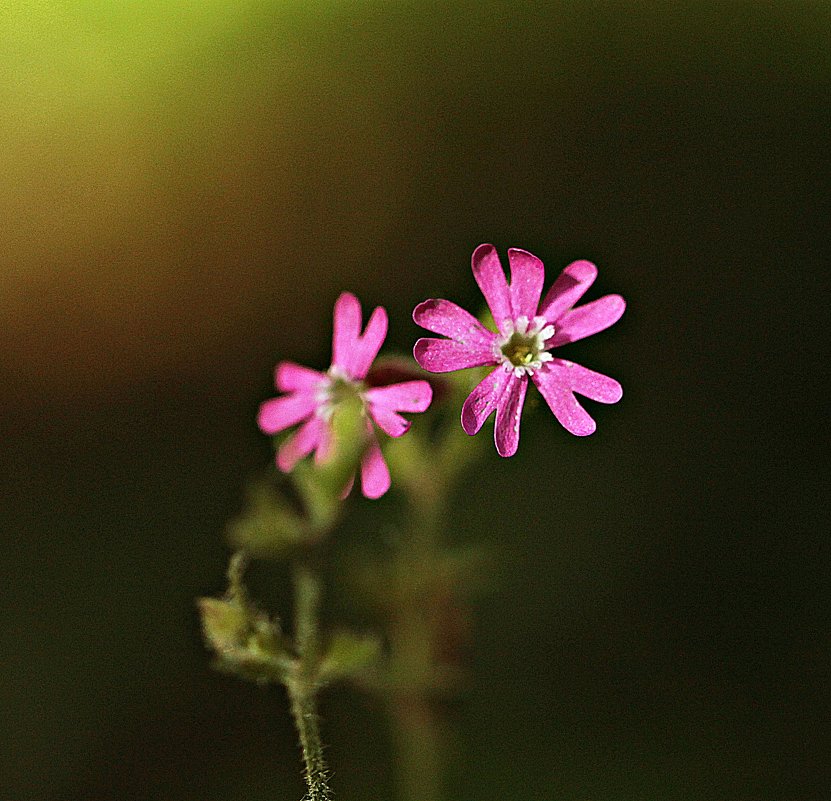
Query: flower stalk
x=412 y=636
x=420 y=674
x=302 y=685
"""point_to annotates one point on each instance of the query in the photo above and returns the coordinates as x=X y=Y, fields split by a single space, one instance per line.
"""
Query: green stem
x=304 y=711
x=413 y=637
x=415 y=629
x=418 y=746
x=302 y=687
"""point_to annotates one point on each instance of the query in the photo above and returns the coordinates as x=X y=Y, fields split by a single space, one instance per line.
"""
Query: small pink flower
x=527 y=331
x=311 y=397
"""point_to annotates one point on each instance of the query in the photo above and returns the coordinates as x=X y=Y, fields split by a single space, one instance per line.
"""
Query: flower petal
x=450 y=320
x=323 y=449
x=508 y=414
x=488 y=272
x=566 y=408
x=386 y=402
x=375 y=475
x=445 y=355
x=580 y=379
x=569 y=287
x=390 y=422
x=370 y=343
x=351 y=352
x=291 y=377
x=346 y=329
x=588 y=319
x=408 y=396
x=527 y=277
x=483 y=400
x=301 y=444
x=277 y=414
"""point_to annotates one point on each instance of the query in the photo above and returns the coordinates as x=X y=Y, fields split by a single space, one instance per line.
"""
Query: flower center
x=338 y=390
x=342 y=389
x=522 y=348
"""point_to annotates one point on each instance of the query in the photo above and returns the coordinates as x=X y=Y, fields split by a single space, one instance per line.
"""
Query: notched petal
x=509 y=414
x=489 y=275
x=407 y=396
x=375 y=475
x=367 y=347
x=352 y=352
x=569 y=287
x=278 y=414
x=563 y=404
x=598 y=387
x=446 y=318
x=483 y=400
x=446 y=355
x=588 y=319
x=346 y=329
x=527 y=278
x=307 y=439
x=291 y=377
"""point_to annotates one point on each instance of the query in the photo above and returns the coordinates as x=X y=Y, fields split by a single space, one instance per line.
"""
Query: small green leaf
x=225 y=624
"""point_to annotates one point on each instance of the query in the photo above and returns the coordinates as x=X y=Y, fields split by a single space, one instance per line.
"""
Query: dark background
x=185 y=191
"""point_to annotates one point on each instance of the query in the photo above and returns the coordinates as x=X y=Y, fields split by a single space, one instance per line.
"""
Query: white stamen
x=533 y=336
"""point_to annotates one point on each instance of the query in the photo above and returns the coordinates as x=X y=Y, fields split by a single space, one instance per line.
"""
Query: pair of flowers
x=528 y=328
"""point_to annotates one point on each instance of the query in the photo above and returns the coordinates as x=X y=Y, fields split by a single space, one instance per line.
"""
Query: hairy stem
x=302 y=687
x=304 y=711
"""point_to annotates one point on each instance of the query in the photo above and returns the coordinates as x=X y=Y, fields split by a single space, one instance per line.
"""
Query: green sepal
x=321 y=486
x=245 y=640
x=486 y=318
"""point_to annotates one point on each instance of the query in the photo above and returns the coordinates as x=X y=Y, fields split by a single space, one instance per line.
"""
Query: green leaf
x=225 y=624
x=246 y=642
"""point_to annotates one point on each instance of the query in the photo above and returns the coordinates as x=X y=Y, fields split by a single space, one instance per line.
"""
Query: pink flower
x=312 y=397
x=527 y=331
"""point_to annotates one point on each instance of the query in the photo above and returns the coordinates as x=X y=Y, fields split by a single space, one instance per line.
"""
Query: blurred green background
x=184 y=189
